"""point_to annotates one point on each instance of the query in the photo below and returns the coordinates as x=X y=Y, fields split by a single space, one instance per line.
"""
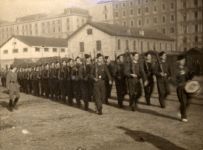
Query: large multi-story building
x=179 y=19
x=59 y=26
x=190 y=24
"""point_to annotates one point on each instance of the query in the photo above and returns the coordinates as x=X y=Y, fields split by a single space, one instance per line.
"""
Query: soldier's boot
x=78 y=103
x=10 y=105
x=148 y=100
x=70 y=101
x=100 y=111
x=15 y=103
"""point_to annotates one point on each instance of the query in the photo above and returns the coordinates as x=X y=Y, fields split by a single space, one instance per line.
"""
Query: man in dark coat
x=133 y=72
x=162 y=73
x=148 y=77
x=13 y=87
x=69 y=84
x=119 y=76
x=182 y=76
x=99 y=72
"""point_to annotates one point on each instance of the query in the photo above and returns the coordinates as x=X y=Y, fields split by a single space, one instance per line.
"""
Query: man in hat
x=162 y=73
x=148 y=70
x=99 y=72
x=133 y=72
x=119 y=77
x=182 y=76
x=13 y=87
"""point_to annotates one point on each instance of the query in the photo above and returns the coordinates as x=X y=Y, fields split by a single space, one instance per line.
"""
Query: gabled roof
x=118 y=30
x=41 y=41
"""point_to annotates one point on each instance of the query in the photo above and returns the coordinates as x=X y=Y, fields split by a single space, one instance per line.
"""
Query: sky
x=11 y=9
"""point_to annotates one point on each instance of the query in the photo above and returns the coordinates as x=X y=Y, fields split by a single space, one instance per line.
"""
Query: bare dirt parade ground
x=43 y=124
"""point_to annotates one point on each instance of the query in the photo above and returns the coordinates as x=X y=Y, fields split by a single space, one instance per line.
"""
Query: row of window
x=37 y=49
x=187 y=29
x=185 y=4
x=195 y=38
x=187 y=17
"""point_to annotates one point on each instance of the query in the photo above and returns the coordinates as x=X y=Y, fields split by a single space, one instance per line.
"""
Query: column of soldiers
x=86 y=79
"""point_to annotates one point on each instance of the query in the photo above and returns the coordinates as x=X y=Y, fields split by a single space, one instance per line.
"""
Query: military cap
x=87 y=56
x=180 y=57
x=99 y=55
x=77 y=58
x=134 y=53
x=106 y=57
x=162 y=53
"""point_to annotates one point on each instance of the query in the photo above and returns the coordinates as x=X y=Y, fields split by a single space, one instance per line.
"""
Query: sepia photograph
x=101 y=74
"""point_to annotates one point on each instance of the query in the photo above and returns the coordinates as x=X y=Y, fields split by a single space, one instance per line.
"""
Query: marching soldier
x=162 y=73
x=13 y=87
x=99 y=72
x=120 y=80
x=76 y=80
x=148 y=77
x=182 y=76
x=107 y=85
x=86 y=85
x=133 y=74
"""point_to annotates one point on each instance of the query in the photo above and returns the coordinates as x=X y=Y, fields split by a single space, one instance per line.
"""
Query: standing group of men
x=84 y=79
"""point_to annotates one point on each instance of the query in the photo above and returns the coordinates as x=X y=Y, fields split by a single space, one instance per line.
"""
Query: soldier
x=52 y=80
x=13 y=87
x=162 y=73
x=46 y=80
x=133 y=74
x=148 y=77
x=182 y=76
x=76 y=80
x=70 y=66
x=120 y=80
x=99 y=72
x=86 y=85
x=57 y=86
x=63 y=80
x=107 y=85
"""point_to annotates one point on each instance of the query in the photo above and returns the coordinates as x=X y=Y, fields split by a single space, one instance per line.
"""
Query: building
x=113 y=39
x=59 y=26
x=29 y=47
x=190 y=24
x=159 y=15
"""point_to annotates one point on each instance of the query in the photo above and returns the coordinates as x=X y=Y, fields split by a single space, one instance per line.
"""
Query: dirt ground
x=42 y=124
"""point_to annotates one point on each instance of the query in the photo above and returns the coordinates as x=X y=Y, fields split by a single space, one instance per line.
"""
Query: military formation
x=85 y=79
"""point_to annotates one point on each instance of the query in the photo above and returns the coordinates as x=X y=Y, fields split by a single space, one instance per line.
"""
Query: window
x=132 y=23
x=172 y=5
x=5 y=51
x=131 y=3
x=185 y=40
x=155 y=20
x=164 y=31
x=123 y=13
x=119 y=44
x=164 y=19
x=146 y=9
x=184 y=4
x=139 y=22
x=127 y=44
x=123 y=4
x=89 y=31
x=172 y=18
x=25 y=49
x=134 y=45
x=124 y=24
x=105 y=16
x=54 y=49
x=82 y=47
x=196 y=14
x=15 y=50
x=196 y=28
x=163 y=7
x=196 y=39
x=196 y=2
x=37 y=49
x=131 y=11
x=46 y=49
x=139 y=11
x=155 y=9
x=62 y=50
x=98 y=45
x=172 y=30
x=116 y=14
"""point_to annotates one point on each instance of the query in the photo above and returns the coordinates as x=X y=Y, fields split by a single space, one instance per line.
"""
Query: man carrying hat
x=13 y=87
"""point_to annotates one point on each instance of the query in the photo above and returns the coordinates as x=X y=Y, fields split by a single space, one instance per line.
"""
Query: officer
x=162 y=73
x=13 y=87
x=120 y=80
x=133 y=74
x=148 y=77
x=99 y=72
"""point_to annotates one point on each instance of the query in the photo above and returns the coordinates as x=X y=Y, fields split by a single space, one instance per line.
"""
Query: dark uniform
x=162 y=81
x=134 y=84
x=45 y=80
x=99 y=72
x=63 y=82
x=120 y=82
x=182 y=76
x=148 y=76
x=13 y=88
x=69 y=85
